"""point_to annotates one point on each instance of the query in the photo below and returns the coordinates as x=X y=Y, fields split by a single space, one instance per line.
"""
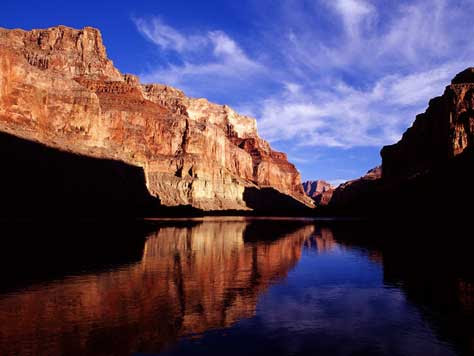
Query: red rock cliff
x=58 y=88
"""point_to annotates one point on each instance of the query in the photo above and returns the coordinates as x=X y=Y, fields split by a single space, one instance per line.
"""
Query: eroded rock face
x=58 y=88
x=316 y=187
x=319 y=190
x=324 y=198
x=444 y=131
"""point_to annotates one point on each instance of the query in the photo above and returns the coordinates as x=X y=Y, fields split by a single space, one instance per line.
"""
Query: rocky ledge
x=59 y=89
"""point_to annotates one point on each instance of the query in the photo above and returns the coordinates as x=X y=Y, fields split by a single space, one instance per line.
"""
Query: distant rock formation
x=319 y=190
x=324 y=198
x=59 y=89
x=313 y=188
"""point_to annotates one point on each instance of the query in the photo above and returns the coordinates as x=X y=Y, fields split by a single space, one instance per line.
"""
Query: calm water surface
x=232 y=286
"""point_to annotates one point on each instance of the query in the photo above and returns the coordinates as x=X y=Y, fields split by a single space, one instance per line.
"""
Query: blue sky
x=329 y=81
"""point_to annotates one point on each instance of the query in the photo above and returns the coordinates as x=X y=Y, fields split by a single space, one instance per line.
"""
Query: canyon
x=80 y=138
x=58 y=89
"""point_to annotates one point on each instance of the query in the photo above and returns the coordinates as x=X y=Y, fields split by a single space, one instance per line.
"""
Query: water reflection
x=189 y=280
x=432 y=266
x=240 y=286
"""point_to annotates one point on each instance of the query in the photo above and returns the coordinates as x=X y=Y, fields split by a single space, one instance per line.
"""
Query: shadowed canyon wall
x=429 y=171
x=444 y=131
x=40 y=181
x=58 y=88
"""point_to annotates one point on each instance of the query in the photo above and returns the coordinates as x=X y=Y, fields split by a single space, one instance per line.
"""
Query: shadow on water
x=432 y=264
x=236 y=285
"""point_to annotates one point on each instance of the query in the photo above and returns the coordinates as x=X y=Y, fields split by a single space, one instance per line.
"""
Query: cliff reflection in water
x=192 y=277
x=239 y=286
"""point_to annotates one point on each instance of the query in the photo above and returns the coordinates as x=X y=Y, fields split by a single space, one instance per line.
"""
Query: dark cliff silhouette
x=429 y=172
x=443 y=191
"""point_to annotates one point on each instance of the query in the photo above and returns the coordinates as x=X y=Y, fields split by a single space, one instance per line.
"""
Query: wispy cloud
x=337 y=182
x=354 y=14
x=201 y=58
x=300 y=160
x=362 y=80
x=376 y=37
x=343 y=116
x=167 y=38
x=342 y=73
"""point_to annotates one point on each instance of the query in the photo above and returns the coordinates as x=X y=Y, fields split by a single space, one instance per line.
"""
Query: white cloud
x=363 y=86
x=293 y=88
x=375 y=37
x=300 y=160
x=337 y=182
x=356 y=80
x=205 y=59
x=341 y=116
x=167 y=38
x=354 y=13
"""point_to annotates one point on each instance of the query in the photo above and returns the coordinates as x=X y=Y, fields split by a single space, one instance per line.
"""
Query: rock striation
x=58 y=88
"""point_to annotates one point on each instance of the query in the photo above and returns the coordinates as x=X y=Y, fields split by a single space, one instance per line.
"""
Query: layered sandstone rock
x=58 y=88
